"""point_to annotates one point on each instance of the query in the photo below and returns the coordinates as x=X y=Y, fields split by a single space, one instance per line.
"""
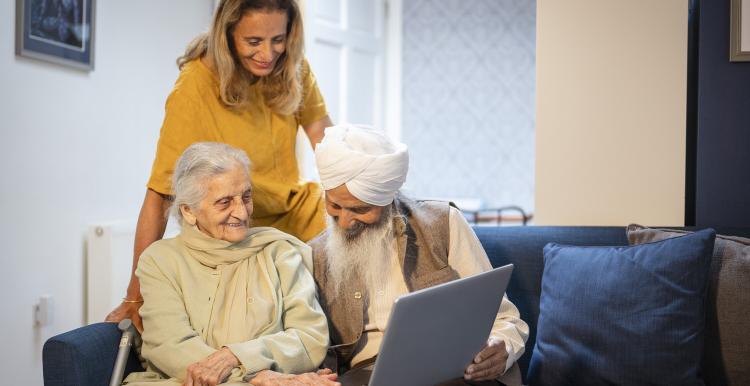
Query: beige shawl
x=228 y=321
x=255 y=297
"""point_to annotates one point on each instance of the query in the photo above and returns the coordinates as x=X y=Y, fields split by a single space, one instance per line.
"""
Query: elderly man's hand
x=489 y=363
x=126 y=311
x=323 y=377
x=212 y=370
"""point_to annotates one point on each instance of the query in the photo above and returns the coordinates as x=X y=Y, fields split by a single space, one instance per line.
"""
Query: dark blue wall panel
x=722 y=179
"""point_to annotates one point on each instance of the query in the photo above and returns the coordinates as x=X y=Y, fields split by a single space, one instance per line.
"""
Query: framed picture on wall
x=739 y=35
x=59 y=31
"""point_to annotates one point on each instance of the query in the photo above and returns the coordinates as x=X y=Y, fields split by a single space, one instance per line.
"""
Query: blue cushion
x=623 y=315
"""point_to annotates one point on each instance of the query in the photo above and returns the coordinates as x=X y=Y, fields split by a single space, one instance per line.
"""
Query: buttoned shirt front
x=467 y=257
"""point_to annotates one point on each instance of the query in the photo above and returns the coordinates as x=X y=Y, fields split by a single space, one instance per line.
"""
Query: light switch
x=44 y=310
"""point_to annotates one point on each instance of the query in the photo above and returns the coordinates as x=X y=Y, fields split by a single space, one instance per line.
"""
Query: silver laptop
x=434 y=333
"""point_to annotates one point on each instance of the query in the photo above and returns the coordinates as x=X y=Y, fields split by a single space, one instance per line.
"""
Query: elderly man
x=380 y=245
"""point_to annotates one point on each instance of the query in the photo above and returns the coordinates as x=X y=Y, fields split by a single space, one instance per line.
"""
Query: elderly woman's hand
x=489 y=363
x=323 y=377
x=212 y=370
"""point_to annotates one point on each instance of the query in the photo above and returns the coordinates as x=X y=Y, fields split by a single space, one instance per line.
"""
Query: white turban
x=372 y=167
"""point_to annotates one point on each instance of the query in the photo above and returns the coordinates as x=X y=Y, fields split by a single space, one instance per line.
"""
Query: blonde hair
x=282 y=88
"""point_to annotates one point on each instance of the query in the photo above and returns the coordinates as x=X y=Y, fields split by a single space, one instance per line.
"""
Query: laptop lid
x=434 y=333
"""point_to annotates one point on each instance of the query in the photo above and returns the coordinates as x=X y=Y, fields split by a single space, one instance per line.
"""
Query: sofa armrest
x=84 y=356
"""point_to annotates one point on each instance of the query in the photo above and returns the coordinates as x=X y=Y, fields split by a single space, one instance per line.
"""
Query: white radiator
x=109 y=252
x=109 y=260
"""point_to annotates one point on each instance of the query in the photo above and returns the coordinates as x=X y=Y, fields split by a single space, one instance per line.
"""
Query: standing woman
x=245 y=83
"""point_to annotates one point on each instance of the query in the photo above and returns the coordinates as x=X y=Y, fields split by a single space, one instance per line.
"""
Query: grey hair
x=200 y=161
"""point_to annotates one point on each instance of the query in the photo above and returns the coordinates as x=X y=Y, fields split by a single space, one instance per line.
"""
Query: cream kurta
x=467 y=257
x=256 y=297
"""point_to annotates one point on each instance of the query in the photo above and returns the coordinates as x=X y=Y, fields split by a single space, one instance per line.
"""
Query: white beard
x=366 y=255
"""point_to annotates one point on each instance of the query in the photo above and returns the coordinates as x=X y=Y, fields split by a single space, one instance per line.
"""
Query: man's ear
x=187 y=214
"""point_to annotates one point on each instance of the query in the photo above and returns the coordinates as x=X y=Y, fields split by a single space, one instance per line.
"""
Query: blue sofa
x=85 y=356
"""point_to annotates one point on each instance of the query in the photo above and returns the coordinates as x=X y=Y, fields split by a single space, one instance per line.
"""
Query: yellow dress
x=195 y=113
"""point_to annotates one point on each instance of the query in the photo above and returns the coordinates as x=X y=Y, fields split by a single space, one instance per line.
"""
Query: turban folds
x=371 y=165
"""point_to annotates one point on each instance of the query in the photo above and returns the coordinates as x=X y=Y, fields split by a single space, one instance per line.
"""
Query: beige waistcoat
x=422 y=231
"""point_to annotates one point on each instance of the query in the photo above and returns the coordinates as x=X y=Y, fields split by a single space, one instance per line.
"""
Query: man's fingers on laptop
x=492 y=368
x=492 y=347
x=489 y=363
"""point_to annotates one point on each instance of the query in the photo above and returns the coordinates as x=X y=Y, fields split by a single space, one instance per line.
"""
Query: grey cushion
x=726 y=357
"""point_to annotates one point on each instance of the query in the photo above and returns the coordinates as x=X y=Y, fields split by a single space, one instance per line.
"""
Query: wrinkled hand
x=489 y=363
x=323 y=377
x=212 y=370
x=127 y=311
x=328 y=373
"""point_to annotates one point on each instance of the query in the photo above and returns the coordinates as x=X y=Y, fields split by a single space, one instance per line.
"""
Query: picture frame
x=57 y=31
x=739 y=35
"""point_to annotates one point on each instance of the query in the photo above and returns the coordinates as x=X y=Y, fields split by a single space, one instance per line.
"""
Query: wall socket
x=44 y=311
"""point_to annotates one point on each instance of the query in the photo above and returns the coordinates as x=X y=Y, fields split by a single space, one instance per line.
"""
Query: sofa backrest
x=522 y=246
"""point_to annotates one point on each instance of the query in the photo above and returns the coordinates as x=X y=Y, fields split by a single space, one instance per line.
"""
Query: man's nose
x=346 y=220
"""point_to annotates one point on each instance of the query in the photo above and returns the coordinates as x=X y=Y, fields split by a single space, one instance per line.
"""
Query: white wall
x=76 y=149
x=611 y=95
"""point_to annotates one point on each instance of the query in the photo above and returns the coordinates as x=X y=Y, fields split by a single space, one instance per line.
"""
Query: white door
x=344 y=42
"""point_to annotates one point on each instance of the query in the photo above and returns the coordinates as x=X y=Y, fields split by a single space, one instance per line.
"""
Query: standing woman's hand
x=316 y=130
x=127 y=310
x=212 y=370
x=151 y=225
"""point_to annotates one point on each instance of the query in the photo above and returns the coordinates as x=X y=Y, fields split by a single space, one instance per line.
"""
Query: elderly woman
x=224 y=302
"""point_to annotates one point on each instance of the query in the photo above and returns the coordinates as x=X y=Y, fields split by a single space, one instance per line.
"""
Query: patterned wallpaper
x=468 y=99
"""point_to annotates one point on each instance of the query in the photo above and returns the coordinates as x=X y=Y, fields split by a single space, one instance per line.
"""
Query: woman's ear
x=187 y=214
